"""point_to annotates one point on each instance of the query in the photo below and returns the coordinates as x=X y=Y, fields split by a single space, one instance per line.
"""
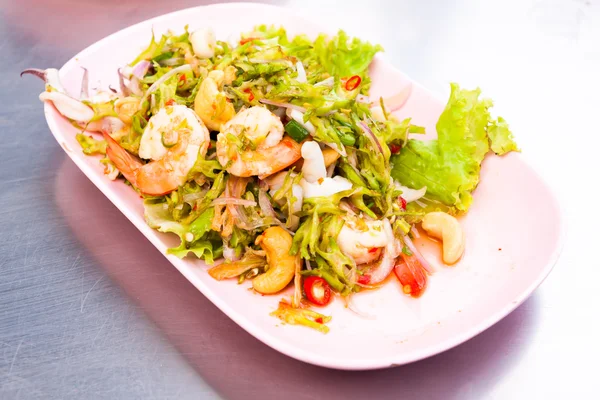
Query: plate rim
x=247 y=324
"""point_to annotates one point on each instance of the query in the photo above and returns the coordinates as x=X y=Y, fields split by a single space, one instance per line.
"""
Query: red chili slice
x=402 y=203
x=353 y=82
x=251 y=97
x=317 y=290
x=395 y=149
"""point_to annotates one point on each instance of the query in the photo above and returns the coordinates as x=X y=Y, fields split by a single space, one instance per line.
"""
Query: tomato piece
x=364 y=279
x=317 y=290
x=352 y=82
x=411 y=275
x=395 y=149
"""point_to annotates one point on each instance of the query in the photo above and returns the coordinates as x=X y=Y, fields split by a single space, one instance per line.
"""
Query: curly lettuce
x=342 y=56
x=450 y=165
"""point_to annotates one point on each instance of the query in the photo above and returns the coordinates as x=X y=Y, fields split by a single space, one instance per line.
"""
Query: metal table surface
x=89 y=309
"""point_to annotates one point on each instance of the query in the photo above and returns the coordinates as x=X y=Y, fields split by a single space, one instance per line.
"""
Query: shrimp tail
x=125 y=162
x=286 y=153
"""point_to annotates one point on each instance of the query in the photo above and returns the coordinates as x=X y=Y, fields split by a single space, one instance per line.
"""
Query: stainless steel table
x=90 y=310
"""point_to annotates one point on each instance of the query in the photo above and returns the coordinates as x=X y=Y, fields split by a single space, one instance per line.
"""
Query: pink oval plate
x=514 y=229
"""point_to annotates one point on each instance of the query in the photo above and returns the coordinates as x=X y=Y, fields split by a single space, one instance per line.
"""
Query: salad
x=267 y=151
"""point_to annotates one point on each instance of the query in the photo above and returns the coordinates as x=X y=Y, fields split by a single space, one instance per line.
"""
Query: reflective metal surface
x=89 y=309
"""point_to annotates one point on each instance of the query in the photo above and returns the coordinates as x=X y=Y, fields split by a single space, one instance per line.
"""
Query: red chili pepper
x=247 y=90
x=319 y=320
x=170 y=102
x=402 y=203
x=364 y=279
x=182 y=78
x=373 y=250
x=317 y=290
x=353 y=82
x=395 y=149
x=244 y=41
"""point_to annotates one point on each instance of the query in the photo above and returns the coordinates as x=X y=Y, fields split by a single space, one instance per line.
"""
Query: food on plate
x=269 y=153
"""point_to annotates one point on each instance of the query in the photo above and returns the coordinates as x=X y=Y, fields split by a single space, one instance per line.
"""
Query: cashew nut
x=276 y=243
x=211 y=105
x=126 y=107
x=446 y=228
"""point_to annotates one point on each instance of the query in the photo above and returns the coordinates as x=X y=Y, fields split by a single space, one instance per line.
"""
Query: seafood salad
x=267 y=153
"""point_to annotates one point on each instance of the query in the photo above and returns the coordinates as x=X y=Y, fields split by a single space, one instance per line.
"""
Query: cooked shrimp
x=252 y=143
x=172 y=141
x=211 y=104
x=362 y=240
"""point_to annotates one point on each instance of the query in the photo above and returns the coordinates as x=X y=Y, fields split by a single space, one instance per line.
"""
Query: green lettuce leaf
x=195 y=237
x=449 y=166
x=91 y=146
x=342 y=56
x=501 y=137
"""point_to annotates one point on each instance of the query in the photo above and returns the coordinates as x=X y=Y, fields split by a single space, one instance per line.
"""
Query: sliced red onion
x=301 y=72
x=265 y=204
x=140 y=69
x=307 y=265
x=415 y=232
x=371 y=135
x=84 y=92
x=352 y=160
x=124 y=88
x=135 y=87
x=411 y=246
x=349 y=207
x=162 y=79
x=233 y=201
x=284 y=105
